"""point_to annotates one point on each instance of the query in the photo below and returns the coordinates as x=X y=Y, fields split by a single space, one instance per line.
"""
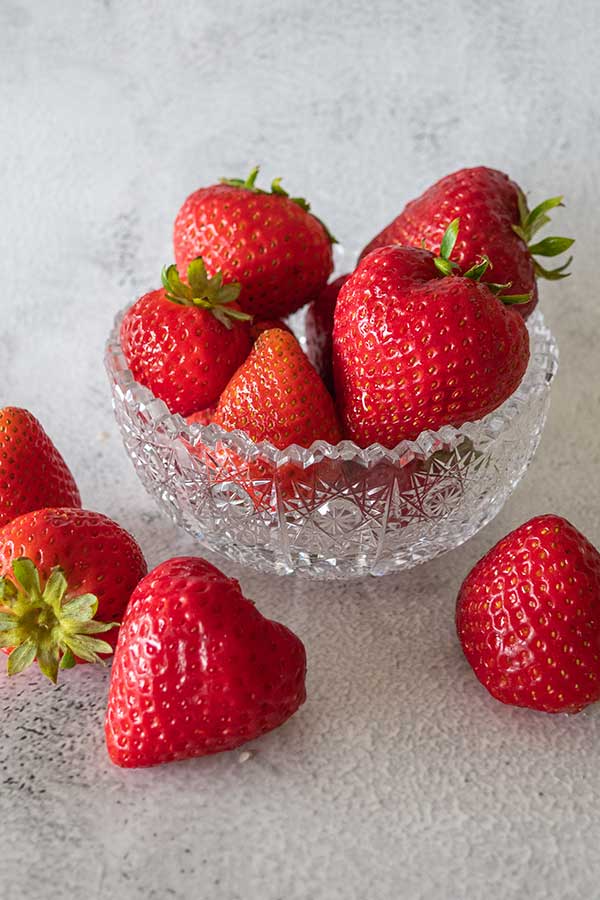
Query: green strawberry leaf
x=22 y=656
x=476 y=272
x=551 y=246
x=552 y=274
x=27 y=577
x=449 y=239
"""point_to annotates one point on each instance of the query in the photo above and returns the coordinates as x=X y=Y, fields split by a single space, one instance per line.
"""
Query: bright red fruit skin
x=183 y=354
x=197 y=669
x=97 y=556
x=279 y=252
x=486 y=201
x=414 y=350
x=319 y=328
x=33 y=473
x=277 y=396
x=528 y=618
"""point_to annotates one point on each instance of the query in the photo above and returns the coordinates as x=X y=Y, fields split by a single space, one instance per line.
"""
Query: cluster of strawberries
x=417 y=337
x=414 y=338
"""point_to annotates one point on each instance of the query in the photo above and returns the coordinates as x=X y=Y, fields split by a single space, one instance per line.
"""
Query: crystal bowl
x=333 y=511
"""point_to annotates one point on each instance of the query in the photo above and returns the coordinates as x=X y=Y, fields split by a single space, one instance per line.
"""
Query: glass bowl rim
x=540 y=373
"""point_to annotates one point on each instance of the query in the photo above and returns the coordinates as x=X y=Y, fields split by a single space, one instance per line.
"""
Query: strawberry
x=277 y=396
x=496 y=223
x=33 y=474
x=184 y=342
x=528 y=617
x=319 y=328
x=415 y=347
x=197 y=669
x=59 y=568
x=268 y=241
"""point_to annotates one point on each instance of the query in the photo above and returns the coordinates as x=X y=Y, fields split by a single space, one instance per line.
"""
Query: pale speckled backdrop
x=400 y=778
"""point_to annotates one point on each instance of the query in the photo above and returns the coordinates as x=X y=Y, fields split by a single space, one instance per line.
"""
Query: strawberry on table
x=33 y=473
x=495 y=222
x=197 y=668
x=319 y=328
x=416 y=347
x=65 y=575
x=267 y=241
x=185 y=341
x=528 y=617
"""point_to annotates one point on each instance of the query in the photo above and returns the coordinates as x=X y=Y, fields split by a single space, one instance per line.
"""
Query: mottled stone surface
x=400 y=778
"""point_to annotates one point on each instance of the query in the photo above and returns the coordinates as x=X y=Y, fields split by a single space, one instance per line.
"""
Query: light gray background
x=400 y=778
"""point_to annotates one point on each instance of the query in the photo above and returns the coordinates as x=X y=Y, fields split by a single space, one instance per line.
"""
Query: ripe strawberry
x=277 y=396
x=528 y=617
x=415 y=348
x=59 y=568
x=495 y=223
x=197 y=669
x=184 y=342
x=269 y=242
x=319 y=328
x=33 y=474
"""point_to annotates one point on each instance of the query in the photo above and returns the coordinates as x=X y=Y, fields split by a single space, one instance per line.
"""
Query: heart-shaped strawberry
x=197 y=668
x=416 y=347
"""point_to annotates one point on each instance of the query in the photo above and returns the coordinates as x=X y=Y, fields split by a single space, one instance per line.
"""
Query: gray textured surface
x=400 y=778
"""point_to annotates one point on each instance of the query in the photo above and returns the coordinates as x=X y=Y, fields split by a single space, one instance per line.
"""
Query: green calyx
x=40 y=624
x=531 y=222
x=446 y=266
x=204 y=292
x=250 y=185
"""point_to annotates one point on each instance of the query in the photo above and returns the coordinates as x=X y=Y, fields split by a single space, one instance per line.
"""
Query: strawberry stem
x=477 y=271
x=250 y=185
x=204 y=292
x=41 y=624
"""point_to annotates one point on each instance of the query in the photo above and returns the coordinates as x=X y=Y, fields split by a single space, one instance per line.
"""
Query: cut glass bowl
x=333 y=511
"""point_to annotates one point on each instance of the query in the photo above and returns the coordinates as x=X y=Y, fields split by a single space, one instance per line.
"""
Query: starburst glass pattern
x=333 y=511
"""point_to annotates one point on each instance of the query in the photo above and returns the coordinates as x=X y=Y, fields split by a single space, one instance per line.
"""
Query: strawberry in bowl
x=439 y=395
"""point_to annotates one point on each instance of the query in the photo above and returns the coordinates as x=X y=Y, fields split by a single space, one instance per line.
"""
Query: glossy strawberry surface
x=277 y=396
x=415 y=350
x=97 y=555
x=278 y=252
x=197 y=669
x=183 y=354
x=33 y=473
x=319 y=328
x=528 y=617
x=486 y=201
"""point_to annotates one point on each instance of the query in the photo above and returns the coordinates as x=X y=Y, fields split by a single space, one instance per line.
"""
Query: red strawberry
x=528 y=617
x=59 y=568
x=495 y=223
x=269 y=242
x=33 y=474
x=415 y=349
x=197 y=669
x=319 y=328
x=260 y=325
x=277 y=396
x=184 y=342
